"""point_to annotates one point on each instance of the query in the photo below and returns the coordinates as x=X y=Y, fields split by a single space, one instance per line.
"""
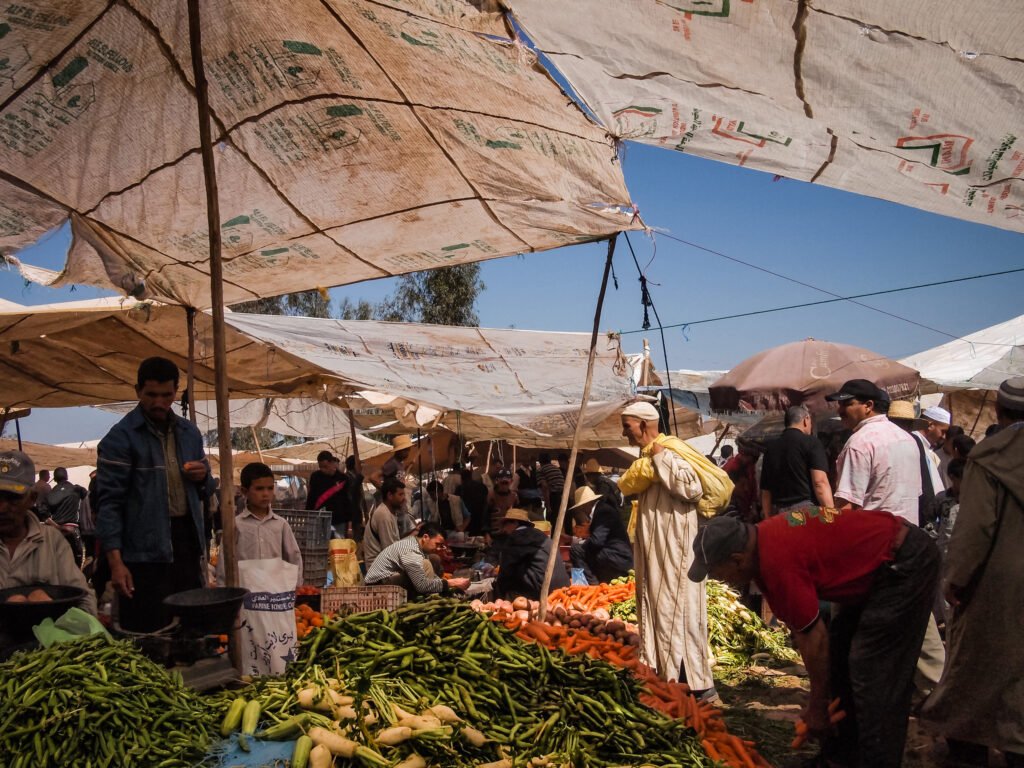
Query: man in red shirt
x=882 y=573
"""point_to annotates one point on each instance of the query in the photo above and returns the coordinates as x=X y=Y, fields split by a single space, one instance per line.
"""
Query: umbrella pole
x=190 y=325
x=560 y=520
x=256 y=442
x=220 y=367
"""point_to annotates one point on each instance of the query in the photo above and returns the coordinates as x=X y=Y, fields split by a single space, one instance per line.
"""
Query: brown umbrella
x=802 y=373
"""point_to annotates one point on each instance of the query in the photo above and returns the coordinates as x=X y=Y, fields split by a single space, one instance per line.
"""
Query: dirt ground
x=764 y=704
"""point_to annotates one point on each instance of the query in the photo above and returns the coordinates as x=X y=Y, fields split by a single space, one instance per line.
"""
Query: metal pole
x=560 y=520
x=220 y=362
x=17 y=429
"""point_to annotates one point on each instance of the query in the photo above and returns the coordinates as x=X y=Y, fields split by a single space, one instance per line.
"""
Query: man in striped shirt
x=405 y=564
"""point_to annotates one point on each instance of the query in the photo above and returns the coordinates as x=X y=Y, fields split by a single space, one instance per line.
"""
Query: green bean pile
x=98 y=702
x=531 y=703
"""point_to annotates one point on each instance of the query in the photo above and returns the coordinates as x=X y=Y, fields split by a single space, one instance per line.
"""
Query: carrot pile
x=835 y=714
x=671 y=698
x=307 y=619
x=592 y=598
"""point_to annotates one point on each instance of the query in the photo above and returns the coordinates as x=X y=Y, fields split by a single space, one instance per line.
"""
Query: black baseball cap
x=17 y=472
x=714 y=543
x=858 y=389
x=325 y=456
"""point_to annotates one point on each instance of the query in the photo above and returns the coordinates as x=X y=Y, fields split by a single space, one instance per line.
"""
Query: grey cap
x=1011 y=394
x=714 y=542
x=17 y=472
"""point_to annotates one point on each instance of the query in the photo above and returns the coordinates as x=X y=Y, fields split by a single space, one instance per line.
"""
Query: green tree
x=445 y=296
x=350 y=310
x=305 y=303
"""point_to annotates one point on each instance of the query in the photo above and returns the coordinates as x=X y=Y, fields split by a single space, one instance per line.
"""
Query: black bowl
x=208 y=611
x=19 y=618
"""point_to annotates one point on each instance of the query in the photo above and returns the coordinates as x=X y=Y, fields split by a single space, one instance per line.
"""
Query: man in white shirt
x=879 y=467
x=405 y=563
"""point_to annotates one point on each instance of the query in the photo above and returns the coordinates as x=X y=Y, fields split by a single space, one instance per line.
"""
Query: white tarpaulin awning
x=353 y=140
x=919 y=102
x=482 y=383
x=980 y=360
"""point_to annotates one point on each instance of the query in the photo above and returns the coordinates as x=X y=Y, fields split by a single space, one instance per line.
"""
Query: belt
x=900 y=537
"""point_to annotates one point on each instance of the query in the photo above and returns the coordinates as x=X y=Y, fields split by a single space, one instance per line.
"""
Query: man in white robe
x=672 y=610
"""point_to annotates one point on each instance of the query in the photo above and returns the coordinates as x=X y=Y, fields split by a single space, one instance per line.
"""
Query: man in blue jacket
x=151 y=477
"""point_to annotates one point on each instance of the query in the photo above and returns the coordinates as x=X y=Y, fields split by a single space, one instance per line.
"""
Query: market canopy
x=88 y=353
x=522 y=386
x=980 y=360
x=918 y=102
x=353 y=140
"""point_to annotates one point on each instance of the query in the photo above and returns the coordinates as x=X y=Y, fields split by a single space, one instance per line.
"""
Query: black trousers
x=145 y=611
x=873 y=651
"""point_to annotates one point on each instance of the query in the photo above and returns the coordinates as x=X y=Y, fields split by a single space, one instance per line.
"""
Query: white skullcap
x=642 y=410
x=935 y=413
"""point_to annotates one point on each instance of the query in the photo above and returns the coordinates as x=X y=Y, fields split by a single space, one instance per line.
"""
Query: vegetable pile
x=98 y=701
x=737 y=634
x=671 y=698
x=437 y=683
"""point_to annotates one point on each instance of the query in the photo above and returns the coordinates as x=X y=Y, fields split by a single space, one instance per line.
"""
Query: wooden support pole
x=190 y=381
x=220 y=361
x=570 y=470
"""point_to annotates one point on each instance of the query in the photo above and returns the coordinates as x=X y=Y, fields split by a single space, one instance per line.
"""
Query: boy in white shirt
x=259 y=532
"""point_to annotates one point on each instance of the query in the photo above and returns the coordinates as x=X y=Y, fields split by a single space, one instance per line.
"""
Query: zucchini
x=233 y=717
x=300 y=754
x=250 y=718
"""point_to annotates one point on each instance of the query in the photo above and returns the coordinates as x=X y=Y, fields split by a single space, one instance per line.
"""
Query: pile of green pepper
x=531 y=703
x=98 y=702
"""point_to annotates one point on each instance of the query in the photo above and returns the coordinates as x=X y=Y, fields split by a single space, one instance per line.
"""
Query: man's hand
x=195 y=471
x=121 y=578
x=460 y=584
x=952 y=594
x=816 y=717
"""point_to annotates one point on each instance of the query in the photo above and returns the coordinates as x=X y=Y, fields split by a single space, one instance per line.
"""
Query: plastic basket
x=312 y=528
x=314 y=566
x=362 y=599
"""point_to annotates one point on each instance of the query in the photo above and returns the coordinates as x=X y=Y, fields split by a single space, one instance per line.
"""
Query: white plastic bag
x=268 y=615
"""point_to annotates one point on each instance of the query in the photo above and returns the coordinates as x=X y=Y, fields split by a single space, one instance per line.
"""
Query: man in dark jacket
x=151 y=477
x=61 y=507
x=606 y=553
x=523 y=558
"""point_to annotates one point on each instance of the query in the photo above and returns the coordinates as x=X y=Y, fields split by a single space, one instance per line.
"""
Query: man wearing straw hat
x=605 y=553
x=672 y=609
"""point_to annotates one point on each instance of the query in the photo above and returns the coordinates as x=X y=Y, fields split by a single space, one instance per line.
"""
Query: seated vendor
x=405 y=564
x=605 y=553
x=30 y=552
x=523 y=558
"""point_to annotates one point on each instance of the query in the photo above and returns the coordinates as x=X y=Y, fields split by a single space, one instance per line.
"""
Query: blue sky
x=835 y=240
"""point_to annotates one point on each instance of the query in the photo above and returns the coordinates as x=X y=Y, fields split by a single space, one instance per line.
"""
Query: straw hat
x=519 y=515
x=903 y=411
x=583 y=497
x=543 y=526
x=591 y=466
x=401 y=443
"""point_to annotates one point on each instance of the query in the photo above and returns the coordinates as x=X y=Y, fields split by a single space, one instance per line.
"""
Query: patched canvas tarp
x=353 y=140
x=918 y=101
x=88 y=353
x=523 y=386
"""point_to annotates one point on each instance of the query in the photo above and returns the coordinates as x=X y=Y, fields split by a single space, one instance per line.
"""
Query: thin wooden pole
x=220 y=357
x=560 y=520
x=256 y=441
x=358 y=463
x=190 y=325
